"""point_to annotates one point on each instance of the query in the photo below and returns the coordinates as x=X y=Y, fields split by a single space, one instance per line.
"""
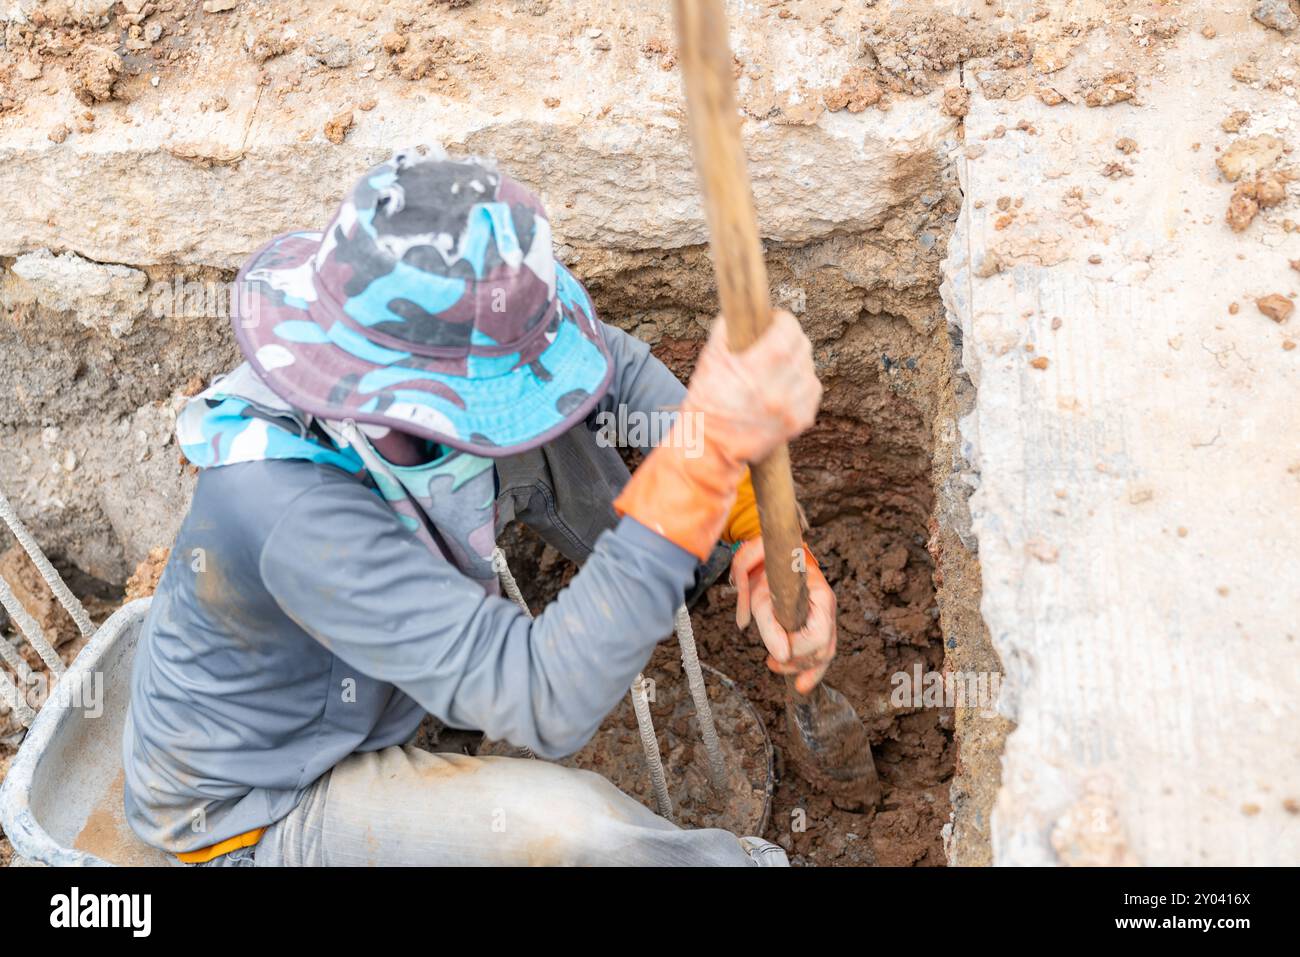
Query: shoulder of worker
x=624 y=348
x=251 y=498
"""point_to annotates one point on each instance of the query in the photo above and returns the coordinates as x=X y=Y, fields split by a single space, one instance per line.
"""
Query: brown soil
x=100 y=601
x=144 y=580
x=108 y=836
x=336 y=130
x=883 y=630
x=95 y=71
x=1276 y=307
x=35 y=596
x=882 y=578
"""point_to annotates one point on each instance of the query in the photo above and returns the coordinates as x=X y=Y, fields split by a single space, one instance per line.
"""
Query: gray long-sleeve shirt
x=298 y=621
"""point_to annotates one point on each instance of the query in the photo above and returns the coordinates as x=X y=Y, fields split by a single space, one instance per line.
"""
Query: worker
x=333 y=581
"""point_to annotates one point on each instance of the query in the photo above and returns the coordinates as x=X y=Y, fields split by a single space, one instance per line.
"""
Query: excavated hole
x=866 y=477
x=866 y=490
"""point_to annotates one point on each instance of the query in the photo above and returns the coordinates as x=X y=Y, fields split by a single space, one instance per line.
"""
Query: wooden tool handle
x=704 y=52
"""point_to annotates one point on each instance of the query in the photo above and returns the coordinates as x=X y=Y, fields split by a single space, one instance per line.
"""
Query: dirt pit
x=866 y=475
x=913 y=751
x=868 y=495
x=887 y=625
x=742 y=803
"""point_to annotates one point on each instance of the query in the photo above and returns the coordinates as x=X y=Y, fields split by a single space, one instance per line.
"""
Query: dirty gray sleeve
x=342 y=566
x=641 y=382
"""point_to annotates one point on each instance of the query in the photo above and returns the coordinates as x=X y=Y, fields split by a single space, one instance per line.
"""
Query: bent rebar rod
x=27 y=625
x=650 y=744
x=511 y=588
x=52 y=578
x=700 y=695
x=14 y=699
x=640 y=703
x=10 y=690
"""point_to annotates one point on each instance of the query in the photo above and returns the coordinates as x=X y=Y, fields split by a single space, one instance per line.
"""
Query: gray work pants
x=407 y=807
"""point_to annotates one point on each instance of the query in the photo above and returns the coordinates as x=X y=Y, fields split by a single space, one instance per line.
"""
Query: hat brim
x=493 y=405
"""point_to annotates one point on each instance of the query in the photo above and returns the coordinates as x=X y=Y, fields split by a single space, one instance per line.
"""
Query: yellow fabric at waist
x=205 y=854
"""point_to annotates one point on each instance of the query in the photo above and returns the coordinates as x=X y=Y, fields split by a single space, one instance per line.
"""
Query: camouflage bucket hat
x=431 y=304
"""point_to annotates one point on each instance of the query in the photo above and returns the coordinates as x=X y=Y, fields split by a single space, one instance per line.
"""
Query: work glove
x=738 y=408
x=808 y=652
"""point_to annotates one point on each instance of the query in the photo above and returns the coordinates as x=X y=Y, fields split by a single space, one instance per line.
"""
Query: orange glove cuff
x=684 y=500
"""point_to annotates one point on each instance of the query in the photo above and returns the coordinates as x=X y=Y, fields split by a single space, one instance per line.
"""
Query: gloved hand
x=738 y=407
x=808 y=652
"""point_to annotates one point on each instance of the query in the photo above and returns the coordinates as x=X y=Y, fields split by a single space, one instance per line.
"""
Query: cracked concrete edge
x=1148 y=654
x=980 y=733
x=619 y=188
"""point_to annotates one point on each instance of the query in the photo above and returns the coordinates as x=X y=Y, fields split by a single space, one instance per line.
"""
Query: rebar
x=13 y=697
x=700 y=695
x=15 y=661
x=508 y=583
x=30 y=629
x=650 y=744
x=640 y=700
x=511 y=588
x=52 y=578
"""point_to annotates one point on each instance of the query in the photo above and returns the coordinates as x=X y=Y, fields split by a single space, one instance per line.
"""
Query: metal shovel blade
x=831 y=749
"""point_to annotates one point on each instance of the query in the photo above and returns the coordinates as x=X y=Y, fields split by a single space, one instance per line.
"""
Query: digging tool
x=831 y=748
